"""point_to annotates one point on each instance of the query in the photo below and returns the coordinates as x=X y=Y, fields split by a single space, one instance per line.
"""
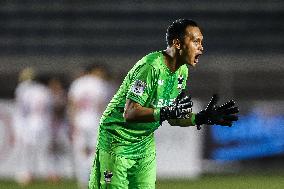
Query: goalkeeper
x=150 y=94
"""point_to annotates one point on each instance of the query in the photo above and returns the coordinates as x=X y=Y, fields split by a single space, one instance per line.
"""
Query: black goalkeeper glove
x=223 y=115
x=179 y=109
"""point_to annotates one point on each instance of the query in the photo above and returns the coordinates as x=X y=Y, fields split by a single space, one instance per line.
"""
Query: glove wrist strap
x=193 y=119
x=157 y=114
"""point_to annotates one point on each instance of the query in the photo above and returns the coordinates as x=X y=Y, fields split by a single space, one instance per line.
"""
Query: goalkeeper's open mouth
x=196 y=58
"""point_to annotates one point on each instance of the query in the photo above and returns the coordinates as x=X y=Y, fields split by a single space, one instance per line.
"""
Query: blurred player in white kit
x=88 y=96
x=32 y=124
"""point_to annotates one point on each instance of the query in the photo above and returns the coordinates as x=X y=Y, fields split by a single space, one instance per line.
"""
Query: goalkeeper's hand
x=179 y=109
x=223 y=115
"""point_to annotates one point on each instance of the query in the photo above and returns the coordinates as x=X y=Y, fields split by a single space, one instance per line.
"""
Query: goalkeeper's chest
x=166 y=92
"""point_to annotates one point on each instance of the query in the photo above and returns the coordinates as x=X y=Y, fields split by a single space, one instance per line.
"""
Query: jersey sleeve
x=143 y=84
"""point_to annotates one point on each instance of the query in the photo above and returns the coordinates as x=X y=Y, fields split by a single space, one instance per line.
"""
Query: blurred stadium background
x=243 y=60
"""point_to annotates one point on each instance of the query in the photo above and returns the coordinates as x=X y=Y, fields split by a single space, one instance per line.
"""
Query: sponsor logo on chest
x=160 y=82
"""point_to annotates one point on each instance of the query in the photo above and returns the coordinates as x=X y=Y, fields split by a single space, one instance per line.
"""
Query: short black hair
x=177 y=29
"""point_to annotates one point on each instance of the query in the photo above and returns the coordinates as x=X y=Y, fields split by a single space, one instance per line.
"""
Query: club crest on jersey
x=180 y=81
x=138 y=87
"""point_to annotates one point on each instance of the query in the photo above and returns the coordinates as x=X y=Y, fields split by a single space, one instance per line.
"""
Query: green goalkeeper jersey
x=151 y=84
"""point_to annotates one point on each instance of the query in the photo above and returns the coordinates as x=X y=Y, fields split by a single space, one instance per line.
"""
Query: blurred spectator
x=32 y=123
x=88 y=97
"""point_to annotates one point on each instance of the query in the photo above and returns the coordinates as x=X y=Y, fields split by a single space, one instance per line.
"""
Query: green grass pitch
x=242 y=181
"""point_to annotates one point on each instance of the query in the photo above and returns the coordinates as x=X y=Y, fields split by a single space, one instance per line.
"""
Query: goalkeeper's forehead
x=194 y=33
